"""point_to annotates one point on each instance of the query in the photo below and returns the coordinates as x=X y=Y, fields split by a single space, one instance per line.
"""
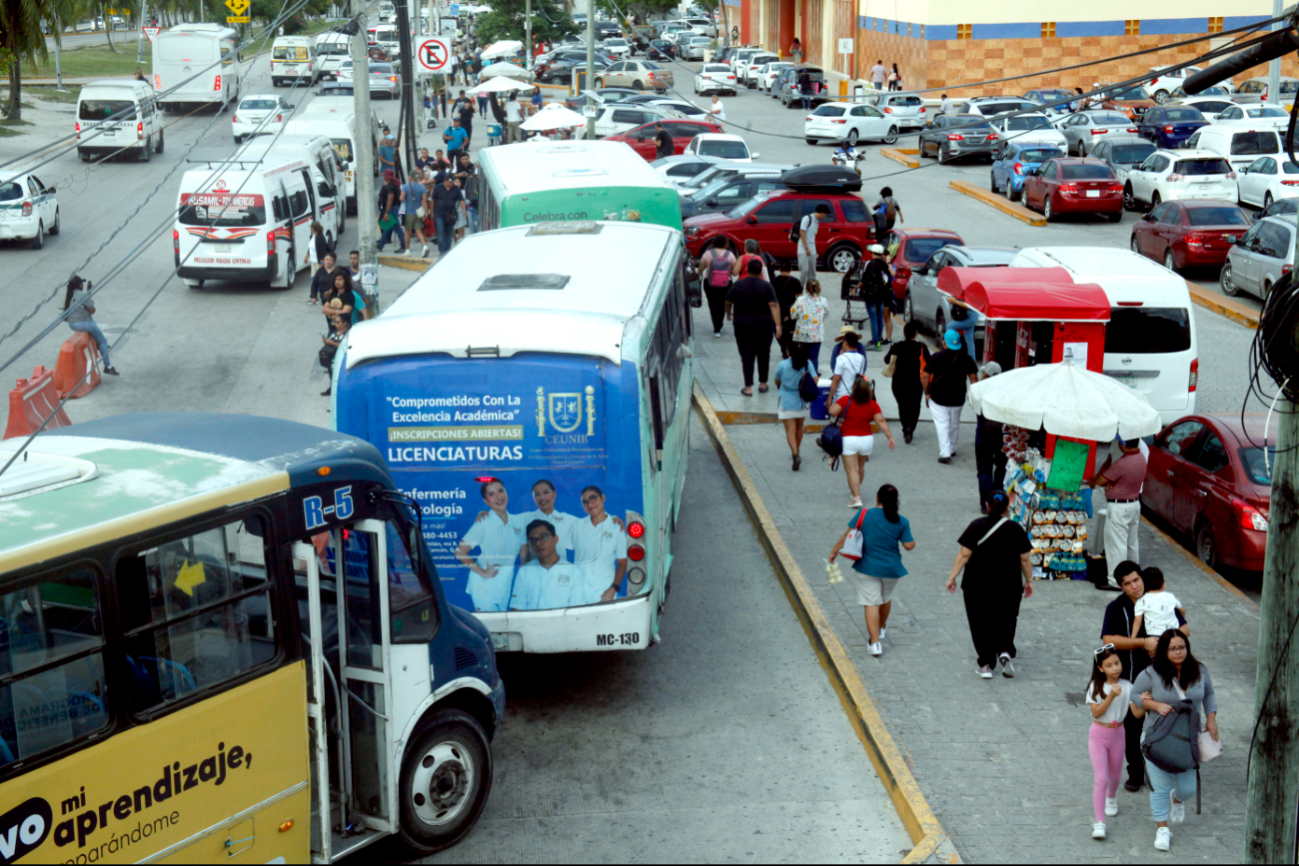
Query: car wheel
x=1133 y=244
x=1155 y=200
x=38 y=242
x=146 y=153
x=161 y=142
x=944 y=154
x=852 y=138
x=1267 y=290
x=446 y=777
x=843 y=258
x=1011 y=194
x=1170 y=260
x=993 y=181
x=940 y=323
x=1229 y=287
x=1116 y=217
x=811 y=141
x=1047 y=213
x=1267 y=201
x=908 y=309
x=1129 y=198
x=1161 y=96
x=239 y=139
x=637 y=85
x=54 y=229
x=1206 y=546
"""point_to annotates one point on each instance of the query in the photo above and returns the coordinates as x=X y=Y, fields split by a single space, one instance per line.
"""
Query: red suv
x=642 y=140
x=915 y=246
x=768 y=217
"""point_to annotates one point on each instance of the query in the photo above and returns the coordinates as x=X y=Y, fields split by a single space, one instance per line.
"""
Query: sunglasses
x=1108 y=646
x=587 y=500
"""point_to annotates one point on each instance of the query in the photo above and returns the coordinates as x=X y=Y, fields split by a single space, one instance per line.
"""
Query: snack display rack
x=1055 y=520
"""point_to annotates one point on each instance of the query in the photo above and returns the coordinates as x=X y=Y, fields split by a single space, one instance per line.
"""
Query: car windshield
x=1256 y=466
x=1215 y=215
x=724 y=149
x=257 y=105
x=1131 y=154
x=1130 y=93
x=1014 y=124
x=708 y=175
x=742 y=209
x=1039 y=154
x=10 y=191
x=829 y=111
x=1200 y=167
x=1109 y=118
x=1087 y=171
x=918 y=250
x=713 y=188
x=1265 y=112
x=1148 y=330
x=103 y=109
x=1183 y=114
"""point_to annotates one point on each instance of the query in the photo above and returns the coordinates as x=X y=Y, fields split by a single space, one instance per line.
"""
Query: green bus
x=552 y=181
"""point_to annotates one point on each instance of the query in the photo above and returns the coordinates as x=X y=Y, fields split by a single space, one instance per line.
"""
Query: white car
x=715 y=78
x=617 y=47
x=1034 y=128
x=693 y=48
x=1172 y=175
x=1266 y=115
x=1161 y=87
x=748 y=71
x=741 y=57
x=704 y=26
x=1266 y=179
x=768 y=73
x=1209 y=106
x=850 y=122
x=28 y=209
x=679 y=107
x=683 y=168
x=258 y=114
x=726 y=146
x=615 y=118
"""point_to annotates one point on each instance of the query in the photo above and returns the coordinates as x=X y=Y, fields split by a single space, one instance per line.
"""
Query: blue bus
x=531 y=393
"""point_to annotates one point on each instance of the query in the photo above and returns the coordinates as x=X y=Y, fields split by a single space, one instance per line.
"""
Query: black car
x=661 y=49
x=953 y=135
x=724 y=55
x=605 y=29
x=562 y=70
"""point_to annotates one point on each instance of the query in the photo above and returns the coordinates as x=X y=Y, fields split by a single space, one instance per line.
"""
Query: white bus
x=198 y=64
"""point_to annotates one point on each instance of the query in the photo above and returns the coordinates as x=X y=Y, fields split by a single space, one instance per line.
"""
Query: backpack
x=795 y=229
x=719 y=271
x=1173 y=742
x=890 y=209
x=831 y=442
x=808 y=388
x=960 y=312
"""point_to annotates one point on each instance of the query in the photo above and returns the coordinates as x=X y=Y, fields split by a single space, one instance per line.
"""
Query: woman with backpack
x=1174 y=679
x=1108 y=696
x=752 y=252
x=876 y=574
x=791 y=405
x=715 y=267
x=857 y=411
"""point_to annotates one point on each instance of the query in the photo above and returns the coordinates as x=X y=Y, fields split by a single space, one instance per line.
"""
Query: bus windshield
x=209 y=209
x=187 y=48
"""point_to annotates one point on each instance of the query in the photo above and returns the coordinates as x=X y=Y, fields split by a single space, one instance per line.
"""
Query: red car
x=767 y=219
x=1186 y=234
x=1208 y=479
x=915 y=246
x=642 y=140
x=1070 y=185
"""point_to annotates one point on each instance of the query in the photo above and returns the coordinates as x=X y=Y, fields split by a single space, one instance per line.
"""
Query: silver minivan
x=1260 y=257
x=1255 y=90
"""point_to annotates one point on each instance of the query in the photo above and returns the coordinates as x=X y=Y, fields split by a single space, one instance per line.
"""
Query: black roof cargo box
x=830 y=177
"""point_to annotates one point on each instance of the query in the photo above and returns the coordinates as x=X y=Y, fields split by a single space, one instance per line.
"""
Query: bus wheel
x=290 y=269
x=446 y=776
x=161 y=143
x=146 y=152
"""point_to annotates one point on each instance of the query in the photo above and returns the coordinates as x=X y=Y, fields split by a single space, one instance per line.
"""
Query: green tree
x=22 y=39
x=643 y=9
x=550 y=23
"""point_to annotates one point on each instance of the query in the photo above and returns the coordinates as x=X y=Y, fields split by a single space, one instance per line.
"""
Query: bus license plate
x=223 y=248
x=1130 y=381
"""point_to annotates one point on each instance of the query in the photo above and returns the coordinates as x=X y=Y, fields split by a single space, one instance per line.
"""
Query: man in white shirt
x=948 y=106
x=717 y=111
x=549 y=581
x=513 y=117
x=850 y=364
x=543 y=493
x=500 y=540
x=878 y=73
x=599 y=543
x=807 y=227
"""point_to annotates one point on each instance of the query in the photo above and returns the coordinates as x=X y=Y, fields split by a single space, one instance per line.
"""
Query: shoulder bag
x=891 y=367
x=854 y=546
x=808 y=388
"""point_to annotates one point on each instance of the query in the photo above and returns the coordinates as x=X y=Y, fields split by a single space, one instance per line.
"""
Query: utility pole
x=144 y=19
x=58 y=62
x=590 y=70
x=408 y=61
x=527 y=37
x=1274 y=66
x=367 y=216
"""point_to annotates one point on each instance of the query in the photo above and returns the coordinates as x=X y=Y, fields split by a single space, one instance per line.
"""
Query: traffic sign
x=845 y=45
x=237 y=7
x=237 y=19
x=433 y=54
x=151 y=32
x=455 y=9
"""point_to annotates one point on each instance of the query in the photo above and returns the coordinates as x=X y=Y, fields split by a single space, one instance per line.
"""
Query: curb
x=900 y=155
x=1228 y=586
x=1223 y=305
x=990 y=198
x=406 y=263
x=927 y=834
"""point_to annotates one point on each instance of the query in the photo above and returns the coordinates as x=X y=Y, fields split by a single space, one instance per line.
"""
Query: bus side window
x=52 y=686
x=411 y=607
x=201 y=609
x=280 y=207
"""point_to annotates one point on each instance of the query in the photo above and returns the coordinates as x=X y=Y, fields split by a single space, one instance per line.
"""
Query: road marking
x=999 y=202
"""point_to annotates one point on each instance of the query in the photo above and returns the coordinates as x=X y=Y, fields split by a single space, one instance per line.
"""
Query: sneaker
x=326 y=392
x=906 y=437
x=798 y=461
x=1098 y=830
x=1111 y=806
x=985 y=672
x=112 y=371
x=1163 y=838
x=401 y=252
x=1007 y=666
x=944 y=460
x=856 y=503
x=874 y=347
x=1176 y=811
x=883 y=631
x=424 y=254
x=717 y=333
x=876 y=649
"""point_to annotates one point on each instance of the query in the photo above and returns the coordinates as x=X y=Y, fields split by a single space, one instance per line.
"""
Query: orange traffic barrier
x=31 y=402
x=78 y=356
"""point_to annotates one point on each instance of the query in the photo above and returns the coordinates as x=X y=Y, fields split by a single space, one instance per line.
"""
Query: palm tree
x=23 y=41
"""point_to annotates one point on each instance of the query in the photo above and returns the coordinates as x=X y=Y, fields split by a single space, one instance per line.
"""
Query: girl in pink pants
x=1108 y=697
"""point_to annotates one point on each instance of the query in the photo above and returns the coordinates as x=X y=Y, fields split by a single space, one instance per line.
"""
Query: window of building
x=1215 y=25
x=922 y=31
x=1048 y=29
x=964 y=31
x=908 y=28
x=1131 y=27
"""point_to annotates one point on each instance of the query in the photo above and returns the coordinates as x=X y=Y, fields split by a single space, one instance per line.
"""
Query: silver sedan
x=383 y=79
x=931 y=308
x=1085 y=129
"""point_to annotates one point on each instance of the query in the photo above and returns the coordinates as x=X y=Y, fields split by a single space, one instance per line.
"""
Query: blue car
x=1169 y=127
x=1014 y=160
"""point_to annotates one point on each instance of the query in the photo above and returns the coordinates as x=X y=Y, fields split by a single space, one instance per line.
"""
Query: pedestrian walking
x=342 y=299
x=665 y=146
x=993 y=553
x=796 y=51
x=908 y=359
x=1122 y=482
x=323 y=278
x=354 y=266
x=948 y=105
x=714 y=268
x=448 y=204
x=989 y=458
x=482 y=105
x=1109 y=696
x=805 y=89
x=892 y=210
x=856 y=413
x=752 y=307
x=389 y=202
x=879 y=72
x=1173 y=678
x=80 y=317
x=895 y=78
x=467 y=175
x=717 y=110
x=885 y=534
x=513 y=117
x=455 y=137
x=752 y=253
x=787 y=291
x=848 y=365
x=387 y=152
x=945 y=379
x=317 y=247
x=809 y=315
x=791 y=408
x=807 y=242
x=877 y=291
x=413 y=201
x=466 y=117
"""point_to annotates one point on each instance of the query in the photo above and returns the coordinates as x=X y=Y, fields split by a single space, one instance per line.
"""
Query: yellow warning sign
x=237 y=19
x=237 y=7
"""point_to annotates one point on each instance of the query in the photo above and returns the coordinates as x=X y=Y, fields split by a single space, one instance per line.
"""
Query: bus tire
x=146 y=152
x=448 y=759
x=161 y=142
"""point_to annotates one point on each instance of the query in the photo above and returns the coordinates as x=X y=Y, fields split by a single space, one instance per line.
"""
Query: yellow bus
x=181 y=678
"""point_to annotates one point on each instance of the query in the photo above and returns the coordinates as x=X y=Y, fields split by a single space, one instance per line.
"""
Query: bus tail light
x=78 y=130
x=139 y=130
x=1194 y=380
x=270 y=242
x=635 y=552
x=175 y=245
x=217 y=86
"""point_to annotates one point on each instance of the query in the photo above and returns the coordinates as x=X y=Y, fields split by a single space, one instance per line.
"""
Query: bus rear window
x=222 y=210
x=1148 y=330
x=297 y=53
x=183 y=48
x=103 y=109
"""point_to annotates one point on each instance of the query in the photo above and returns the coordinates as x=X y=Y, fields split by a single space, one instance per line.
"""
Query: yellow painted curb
x=927 y=834
x=1223 y=305
x=910 y=151
x=406 y=263
x=900 y=156
x=1230 y=587
x=999 y=202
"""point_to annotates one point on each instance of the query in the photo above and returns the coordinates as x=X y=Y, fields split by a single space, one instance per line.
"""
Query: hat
x=876 y=248
x=845 y=331
x=952 y=338
x=389 y=174
x=991 y=369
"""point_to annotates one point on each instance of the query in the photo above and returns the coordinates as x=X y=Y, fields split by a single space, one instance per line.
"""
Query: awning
x=1026 y=294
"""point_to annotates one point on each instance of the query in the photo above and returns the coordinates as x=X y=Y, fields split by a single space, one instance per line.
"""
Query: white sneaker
x=883 y=631
x=1111 y=806
x=856 y=503
x=1176 y=812
x=1098 y=830
x=1163 y=838
x=425 y=253
x=1007 y=666
x=985 y=672
x=876 y=649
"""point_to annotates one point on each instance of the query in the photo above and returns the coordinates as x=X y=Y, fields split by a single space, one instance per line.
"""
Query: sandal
x=747 y=392
x=762 y=389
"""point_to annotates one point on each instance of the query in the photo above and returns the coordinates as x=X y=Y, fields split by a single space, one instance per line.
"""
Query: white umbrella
x=508 y=70
x=504 y=48
x=499 y=85
x=553 y=116
x=1066 y=400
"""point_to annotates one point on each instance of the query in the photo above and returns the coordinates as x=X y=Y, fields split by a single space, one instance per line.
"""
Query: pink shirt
x=1127 y=473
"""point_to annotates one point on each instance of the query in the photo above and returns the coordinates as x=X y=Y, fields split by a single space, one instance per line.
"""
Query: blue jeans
x=97 y=335
x=876 y=313
x=387 y=234
x=807 y=102
x=967 y=329
x=473 y=219
x=446 y=232
x=1162 y=784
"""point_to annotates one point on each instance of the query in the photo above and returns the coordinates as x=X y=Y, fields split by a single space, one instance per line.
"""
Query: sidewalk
x=1003 y=763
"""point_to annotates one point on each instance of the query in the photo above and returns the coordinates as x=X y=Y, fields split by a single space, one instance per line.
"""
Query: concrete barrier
x=32 y=401
x=902 y=155
x=77 y=371
x=988 y=197
x=406 y=263
x=1223 y=305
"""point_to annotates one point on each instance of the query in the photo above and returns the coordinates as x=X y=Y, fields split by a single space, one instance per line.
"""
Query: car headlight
x=692 y=231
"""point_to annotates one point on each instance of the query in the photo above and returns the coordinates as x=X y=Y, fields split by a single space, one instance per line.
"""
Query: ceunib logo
x=24 y=828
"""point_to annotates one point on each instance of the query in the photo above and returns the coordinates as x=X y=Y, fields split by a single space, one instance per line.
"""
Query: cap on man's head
x=876 y=248
x=952 y=338
x=991 y=368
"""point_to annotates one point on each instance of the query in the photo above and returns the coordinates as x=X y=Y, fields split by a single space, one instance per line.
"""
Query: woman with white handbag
x=874 y=540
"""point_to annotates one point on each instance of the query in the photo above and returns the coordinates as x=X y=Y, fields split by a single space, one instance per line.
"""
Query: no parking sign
x=433 y=54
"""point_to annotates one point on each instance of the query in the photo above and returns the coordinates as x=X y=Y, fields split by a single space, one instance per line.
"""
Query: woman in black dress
x=911 y=355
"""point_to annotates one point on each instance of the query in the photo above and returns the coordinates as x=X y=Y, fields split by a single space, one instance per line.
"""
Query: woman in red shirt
x=858 y=411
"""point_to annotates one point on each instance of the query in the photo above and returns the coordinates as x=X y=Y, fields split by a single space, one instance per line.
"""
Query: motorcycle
x=847 y=156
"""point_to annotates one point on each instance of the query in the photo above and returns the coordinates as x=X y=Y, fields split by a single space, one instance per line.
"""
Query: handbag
x=854 y=545
x=1209 y=747
x=890 y=368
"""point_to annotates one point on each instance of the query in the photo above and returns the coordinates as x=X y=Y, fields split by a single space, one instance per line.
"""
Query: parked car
x=1178 y=174
x=695 y=47
x=1168 y=126
x=1255 y=90
x=638 y=75
x=562 y=71
x=259 y=114
x=1208 y=478
x=731 y=147
x=1209 y=106
x=932 y=309
x=1261 y=116
x=1030 y=128
x=955 y=135
x=671 y=105
x=778 y=81
x=733 y=188
x=907 y=109
x=1132 y=101
x=768 y=73
x=1083 y=130
x=1163 y=86
x=641 y=138
x=680 y=168
x=991 y=106
x=703 y=25
x=618 y=47
x=1265 y=180
x=1259 y=257
x=1189 y=234
x=1052 y=95
x=715 y=78
x=661 y=50
x=1280 y=207
x=1217 y=90
x=768 y=217
x=748 y=73
x=740 y=57
x=618 y=118
x=28 y=209
x=1239 y=145
x=788 y=92
x=1074 y=185
x=850 y=122
x=1123 y=152
x=1016 y=160
x=914 y=247
x=609 y=95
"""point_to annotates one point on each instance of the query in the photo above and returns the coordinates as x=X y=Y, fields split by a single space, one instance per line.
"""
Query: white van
x=292 y=58
x=341 y=132
x=118 y=116
x=387 y=13
x=331 y=50
x=386 y=37
x=1150 y=342
x=247 y=222
x=1239 y=145
x=328 y=204
x=196 y=64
